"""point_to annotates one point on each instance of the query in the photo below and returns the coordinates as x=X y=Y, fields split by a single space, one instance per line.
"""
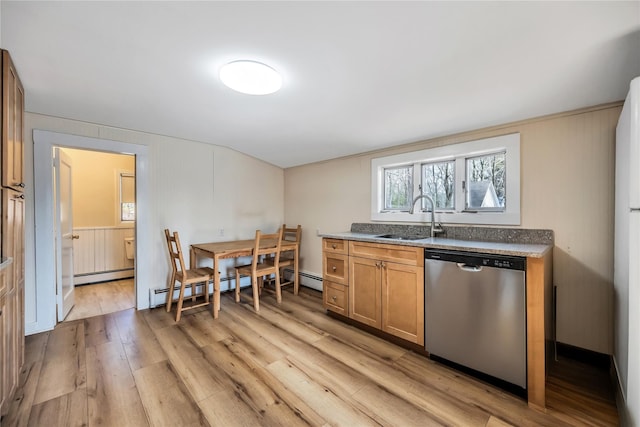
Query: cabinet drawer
x=410 y=255
x=335 y=297
x=335 y=267
x=335 y=245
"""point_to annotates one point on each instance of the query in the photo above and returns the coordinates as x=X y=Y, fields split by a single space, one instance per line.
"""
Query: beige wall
x=95 y=186
x=567 y=172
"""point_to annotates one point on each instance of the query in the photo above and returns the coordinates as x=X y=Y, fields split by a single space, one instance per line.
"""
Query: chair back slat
x=272 y=251
x=175 y=252
x=291 y=234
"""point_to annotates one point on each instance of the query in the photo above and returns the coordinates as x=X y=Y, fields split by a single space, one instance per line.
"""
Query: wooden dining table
x=235 y=249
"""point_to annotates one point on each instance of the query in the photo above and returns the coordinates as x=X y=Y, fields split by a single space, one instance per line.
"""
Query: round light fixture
x=251 y=77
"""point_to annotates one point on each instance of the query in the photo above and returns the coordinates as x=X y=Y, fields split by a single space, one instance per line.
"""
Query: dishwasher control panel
x=477 y=259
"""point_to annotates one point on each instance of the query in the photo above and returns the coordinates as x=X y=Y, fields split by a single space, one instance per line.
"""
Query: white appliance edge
x=627 y=254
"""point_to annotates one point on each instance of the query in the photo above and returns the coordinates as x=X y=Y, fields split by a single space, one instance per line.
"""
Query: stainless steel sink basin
x=400 y=237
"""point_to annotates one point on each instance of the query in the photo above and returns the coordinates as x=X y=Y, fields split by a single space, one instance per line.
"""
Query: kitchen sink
x=400 y=237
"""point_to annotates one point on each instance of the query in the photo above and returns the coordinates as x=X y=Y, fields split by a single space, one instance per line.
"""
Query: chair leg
x=237 y=286
x=277 y=286
x=180 y=300
x=172 y=283
x=256 y=296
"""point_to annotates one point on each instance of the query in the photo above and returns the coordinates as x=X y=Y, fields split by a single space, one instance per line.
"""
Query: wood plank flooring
x=289 y=365
x=102 y=298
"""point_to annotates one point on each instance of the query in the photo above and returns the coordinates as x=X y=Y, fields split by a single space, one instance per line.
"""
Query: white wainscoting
x=99 y=254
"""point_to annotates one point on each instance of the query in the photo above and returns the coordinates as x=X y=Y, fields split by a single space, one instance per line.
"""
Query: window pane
x=128 y=212
x=485 y=184
x=398 y=188
x=438 y=181
x=127 y=188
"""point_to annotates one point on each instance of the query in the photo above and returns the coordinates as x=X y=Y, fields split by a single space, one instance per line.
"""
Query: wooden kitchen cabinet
x=12 y=244
x=335 y=297
x=386 y=288
x=8 y=339
x=12 y=126
x=13 y=298
x=335 y=275
x=365 y=291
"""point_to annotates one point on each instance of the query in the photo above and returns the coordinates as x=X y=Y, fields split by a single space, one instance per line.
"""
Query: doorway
x=40 y=291
x=102 y=203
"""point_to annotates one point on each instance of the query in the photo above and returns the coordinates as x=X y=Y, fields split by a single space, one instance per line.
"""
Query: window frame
x=458 y=152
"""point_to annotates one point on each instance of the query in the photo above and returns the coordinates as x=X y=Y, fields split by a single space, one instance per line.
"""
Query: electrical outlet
x=220 y=232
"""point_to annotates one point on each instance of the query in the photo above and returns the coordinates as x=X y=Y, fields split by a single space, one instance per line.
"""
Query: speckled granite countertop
x=515 y=242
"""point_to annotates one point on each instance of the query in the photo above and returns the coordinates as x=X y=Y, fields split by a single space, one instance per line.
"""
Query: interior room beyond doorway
x=103 y=206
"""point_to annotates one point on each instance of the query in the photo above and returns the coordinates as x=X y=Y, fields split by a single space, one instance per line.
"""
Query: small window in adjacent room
x=127 y=197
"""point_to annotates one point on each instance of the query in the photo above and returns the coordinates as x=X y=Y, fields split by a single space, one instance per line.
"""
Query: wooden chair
x=259 y=268
x=186 y=277
x=287 y=257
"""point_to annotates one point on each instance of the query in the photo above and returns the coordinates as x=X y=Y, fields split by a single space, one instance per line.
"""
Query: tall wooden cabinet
x=12 y=241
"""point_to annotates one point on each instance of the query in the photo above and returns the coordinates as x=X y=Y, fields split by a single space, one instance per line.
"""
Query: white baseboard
x=158 y=297
x=83 y=279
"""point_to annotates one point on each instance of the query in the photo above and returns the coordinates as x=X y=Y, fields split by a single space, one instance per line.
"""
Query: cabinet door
x=4 y=355
x=364 y=291
x=12 y=125
x=9 y=368
x=403 y=301
x=13 y=235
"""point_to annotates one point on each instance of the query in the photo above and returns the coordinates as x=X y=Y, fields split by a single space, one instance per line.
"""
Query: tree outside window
x=438 y=181
x=485 y=185
x=398 y=188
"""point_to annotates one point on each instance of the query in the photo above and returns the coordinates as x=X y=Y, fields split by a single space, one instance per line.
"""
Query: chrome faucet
x=433 y=216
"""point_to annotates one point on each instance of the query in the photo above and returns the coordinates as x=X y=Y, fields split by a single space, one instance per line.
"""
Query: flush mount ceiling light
x=251 y=77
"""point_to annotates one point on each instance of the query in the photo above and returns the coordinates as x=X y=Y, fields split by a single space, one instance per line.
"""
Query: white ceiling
x=358 y=76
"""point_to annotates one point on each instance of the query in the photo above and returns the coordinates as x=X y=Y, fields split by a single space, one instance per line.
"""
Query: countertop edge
x=514 y=249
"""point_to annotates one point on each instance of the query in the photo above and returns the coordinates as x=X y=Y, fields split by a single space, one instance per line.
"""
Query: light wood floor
x=102 y=298
x=290 y=365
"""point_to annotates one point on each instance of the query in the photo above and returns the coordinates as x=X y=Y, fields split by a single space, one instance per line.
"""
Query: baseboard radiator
x=158 y=297
x=99 y=254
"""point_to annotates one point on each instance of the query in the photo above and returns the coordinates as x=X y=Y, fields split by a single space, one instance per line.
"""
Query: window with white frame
x=127 y=205
x=475 y=182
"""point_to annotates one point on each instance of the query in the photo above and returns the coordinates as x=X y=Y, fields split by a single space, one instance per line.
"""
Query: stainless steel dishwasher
x=475 y=312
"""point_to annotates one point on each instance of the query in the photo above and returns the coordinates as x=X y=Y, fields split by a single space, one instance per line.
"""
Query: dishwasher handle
x=469 y=267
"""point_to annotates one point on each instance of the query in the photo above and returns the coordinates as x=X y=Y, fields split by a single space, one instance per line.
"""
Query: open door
x=64 y=233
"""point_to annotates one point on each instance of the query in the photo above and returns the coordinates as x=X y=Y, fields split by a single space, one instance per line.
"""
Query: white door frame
x=45 y=289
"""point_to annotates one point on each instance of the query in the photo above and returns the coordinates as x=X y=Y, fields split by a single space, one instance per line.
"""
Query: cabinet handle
x=333 y=246
x=383 y=265
x=334 y=298
x=19 y=184
x=334 y=268
x=378 y=264
x=75 y=236
x=21 y=196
